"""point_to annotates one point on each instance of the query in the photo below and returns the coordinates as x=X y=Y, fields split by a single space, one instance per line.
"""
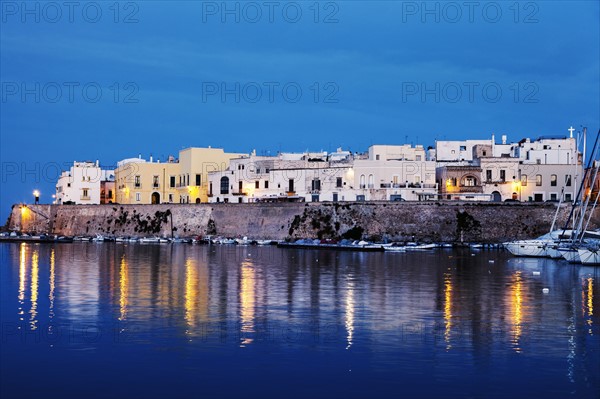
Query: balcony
x=85 y=198
x=470 y=189
x=210 y=195
x=239 y=193
x=137 y=185
x=290 y=193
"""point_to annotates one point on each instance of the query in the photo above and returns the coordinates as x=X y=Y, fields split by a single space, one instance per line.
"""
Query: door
x=291 y=185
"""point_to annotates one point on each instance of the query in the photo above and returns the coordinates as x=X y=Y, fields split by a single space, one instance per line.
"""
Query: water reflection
x=349 y=319
x=52 y=283
x=247 y=302
x=587 y=295
x=123 y=289
x=22 y=276
x=447 y=309
x=303 y=301
x=35 y=271
x=516 y=310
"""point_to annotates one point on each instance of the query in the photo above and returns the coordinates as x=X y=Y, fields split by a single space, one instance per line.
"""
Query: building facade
x=82 y=183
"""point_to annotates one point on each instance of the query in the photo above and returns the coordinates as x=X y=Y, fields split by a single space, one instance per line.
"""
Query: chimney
x=151 y=158
x=504 y=139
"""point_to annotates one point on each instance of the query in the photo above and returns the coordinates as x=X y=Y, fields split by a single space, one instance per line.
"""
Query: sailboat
x=550 y=244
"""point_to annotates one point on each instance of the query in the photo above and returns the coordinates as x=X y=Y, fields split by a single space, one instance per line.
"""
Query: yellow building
x=194 y=166
x=176 y=181
x=141 y=182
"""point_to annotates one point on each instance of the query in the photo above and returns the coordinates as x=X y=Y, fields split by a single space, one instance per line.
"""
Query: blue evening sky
x=108 y=81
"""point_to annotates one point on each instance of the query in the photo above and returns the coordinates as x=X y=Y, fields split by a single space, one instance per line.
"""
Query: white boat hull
x=588 y=256
x=534 y=248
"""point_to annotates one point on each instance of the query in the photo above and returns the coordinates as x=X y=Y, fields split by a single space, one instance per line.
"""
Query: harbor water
x=100 y=320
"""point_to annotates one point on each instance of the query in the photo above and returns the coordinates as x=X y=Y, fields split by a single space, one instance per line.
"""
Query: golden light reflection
x=35 y=271
x=517 y=310
x=52 y=282
x=123 y=289
x=589 y=304
x=191 y=292
x=447 y=309
x=247 y=301
x=22 y=275
x=349 y=317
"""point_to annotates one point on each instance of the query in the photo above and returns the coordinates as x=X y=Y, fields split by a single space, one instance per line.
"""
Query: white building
x=285 y=177
x=524 y=171
x=387 y=173
x=82 y=183
x=395 y=173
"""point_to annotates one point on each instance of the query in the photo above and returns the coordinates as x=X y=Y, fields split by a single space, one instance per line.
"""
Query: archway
x=496 y=196
x=155 y=198
x=197 y=200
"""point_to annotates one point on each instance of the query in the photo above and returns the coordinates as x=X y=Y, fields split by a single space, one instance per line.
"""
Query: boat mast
x=579 y=191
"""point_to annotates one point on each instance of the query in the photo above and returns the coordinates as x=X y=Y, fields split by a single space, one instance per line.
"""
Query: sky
x=105 y=80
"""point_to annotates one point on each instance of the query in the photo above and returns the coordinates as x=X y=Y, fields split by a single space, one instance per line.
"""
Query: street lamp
x=36 y=196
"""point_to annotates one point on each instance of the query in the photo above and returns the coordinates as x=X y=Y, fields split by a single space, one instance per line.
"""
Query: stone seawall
x=431 y=221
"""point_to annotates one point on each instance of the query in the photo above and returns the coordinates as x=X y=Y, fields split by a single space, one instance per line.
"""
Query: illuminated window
x=538 y=180
x=553 y=180
x=524 y=180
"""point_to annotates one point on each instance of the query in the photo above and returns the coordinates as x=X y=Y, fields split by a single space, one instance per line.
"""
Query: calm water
x=157 y=321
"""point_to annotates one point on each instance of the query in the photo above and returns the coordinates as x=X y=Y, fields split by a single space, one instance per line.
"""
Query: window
x=553 y=180
x=316 y=184
x=338 y=182
x=553 y=196
x=198 y=180
x=267 y=170
x=258 y=171
x=377 y=157
x=568 y=197
x=155 y=181
x=483 y=153
x=488 y=175
x=568 y=180
x=463 y=148
x=502 y=175
x=523 y=180
x=224 y=185
x=68 y=184
x=418 y=158
x=109 y=193
x=172 y=182
x=138 y=196
x=257 y=184
x=137 y=182
x=266 y=184
x=187 y=183
x=362 y=181
x=85 y=193
x=371 y=181
x=538 y=180
x=240 y=186
x=170 y=197
x=470 y=181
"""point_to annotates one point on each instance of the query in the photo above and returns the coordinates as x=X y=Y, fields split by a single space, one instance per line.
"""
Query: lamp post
x=36 y=196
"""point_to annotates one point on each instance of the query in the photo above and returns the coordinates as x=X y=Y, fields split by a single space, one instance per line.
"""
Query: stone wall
x=431 y=221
